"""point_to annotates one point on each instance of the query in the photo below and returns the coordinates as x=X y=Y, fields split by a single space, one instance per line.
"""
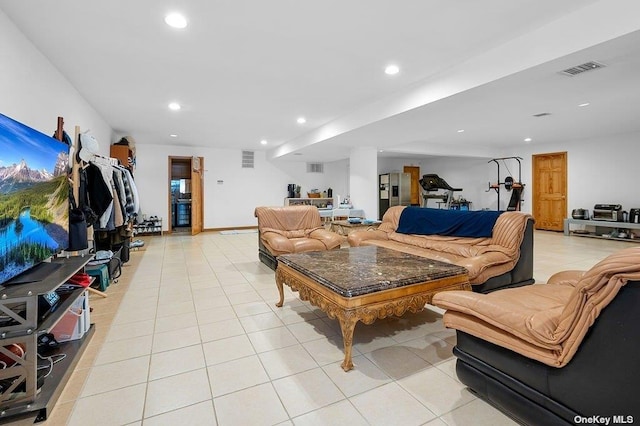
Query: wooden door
x=550 y=190
x=197 y=168
x=416 y=193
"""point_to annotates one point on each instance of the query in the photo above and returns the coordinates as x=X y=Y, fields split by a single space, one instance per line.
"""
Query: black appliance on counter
x=608 y=212
x=634 y=215
x=582 y=214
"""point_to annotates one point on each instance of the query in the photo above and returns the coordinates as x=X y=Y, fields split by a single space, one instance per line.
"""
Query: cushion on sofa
x=543 y=322
x=455 y=223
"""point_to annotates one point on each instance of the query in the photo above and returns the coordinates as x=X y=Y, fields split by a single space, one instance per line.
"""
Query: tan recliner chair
x=291 y=229
x=551 y=353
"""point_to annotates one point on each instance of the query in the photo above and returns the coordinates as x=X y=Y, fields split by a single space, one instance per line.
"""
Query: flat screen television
x=34 y=199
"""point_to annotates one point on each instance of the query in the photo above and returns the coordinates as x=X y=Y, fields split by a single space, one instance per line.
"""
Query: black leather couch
x=603 y=378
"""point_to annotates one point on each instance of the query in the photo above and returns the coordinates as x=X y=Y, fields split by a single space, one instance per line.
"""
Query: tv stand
x=20 y=303
x=38 y=273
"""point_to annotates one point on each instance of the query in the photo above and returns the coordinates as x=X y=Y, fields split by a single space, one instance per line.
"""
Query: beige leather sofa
x=291 y=229
x=503 y=260
x=549 y=353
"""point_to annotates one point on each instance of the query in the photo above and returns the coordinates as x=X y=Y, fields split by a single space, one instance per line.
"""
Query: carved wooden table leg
x=348 y=320
x=279 y=284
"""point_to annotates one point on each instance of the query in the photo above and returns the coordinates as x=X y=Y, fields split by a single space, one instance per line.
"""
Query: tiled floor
x=190 y=335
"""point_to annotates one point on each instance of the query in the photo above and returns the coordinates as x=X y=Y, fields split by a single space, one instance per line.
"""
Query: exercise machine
x=516 y=188
x=431 y=183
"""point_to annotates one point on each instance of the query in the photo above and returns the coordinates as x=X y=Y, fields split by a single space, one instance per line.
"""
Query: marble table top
x=356 y=271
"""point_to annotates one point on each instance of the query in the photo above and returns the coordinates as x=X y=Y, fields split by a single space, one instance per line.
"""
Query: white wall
x=470 y=174
x=363 y=178
x=335 y=176
x=599 y=170
x=34 y=93
x=232 y=202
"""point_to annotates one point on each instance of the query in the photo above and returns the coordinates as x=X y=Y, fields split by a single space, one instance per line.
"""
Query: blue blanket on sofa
x=457 y=223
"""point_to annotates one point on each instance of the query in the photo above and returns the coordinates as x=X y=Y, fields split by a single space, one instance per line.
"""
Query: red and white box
x=75 y=322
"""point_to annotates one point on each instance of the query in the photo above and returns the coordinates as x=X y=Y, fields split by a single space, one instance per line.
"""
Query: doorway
x=185 y=194
x=414 y=171
x=550 y=190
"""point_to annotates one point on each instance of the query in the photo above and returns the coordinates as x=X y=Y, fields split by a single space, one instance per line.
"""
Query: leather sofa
x=291 y=229
x=555 y=353
x=503 y=260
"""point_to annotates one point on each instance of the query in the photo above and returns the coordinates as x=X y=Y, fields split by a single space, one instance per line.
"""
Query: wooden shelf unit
x=124 y=154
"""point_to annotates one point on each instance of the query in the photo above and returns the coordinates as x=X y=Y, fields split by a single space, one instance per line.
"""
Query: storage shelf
x=51 y=388
x=320 y=203
x=601 y=224
x=68 y=267
x=153 y=228
x=22 y=299
x=591 y=235
x=65 y=303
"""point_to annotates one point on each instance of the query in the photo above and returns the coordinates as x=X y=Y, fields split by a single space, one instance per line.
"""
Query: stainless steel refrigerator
x=394 y=190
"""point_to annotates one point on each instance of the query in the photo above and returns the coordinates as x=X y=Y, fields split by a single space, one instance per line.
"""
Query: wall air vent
x=542 y=114
x=315 y=167
x=247 y=159
x=579 y=69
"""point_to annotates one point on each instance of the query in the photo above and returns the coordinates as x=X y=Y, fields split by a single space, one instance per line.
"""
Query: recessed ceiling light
x=173 y=136
x=382 y=150
x=297 y=153
x=174 y=106
x=263 y=142
x=301 y=120
x=175 y=20
x=527 y=139
x=584 y=104
x=461 y=131
x=392 y=69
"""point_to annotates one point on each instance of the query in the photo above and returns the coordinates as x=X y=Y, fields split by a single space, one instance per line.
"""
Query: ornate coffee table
x=344 y=227
x=366 y=283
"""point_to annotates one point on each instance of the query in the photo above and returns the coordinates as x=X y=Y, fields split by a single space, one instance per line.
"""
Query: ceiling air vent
x=247 y=159
x=542 y=114
x=579 y=69
x=315 y=167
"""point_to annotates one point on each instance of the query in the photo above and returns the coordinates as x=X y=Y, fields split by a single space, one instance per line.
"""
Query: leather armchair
x=291 y=229
x=550 y=353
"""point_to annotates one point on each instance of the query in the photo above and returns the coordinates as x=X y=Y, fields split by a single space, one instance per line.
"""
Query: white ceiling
x=245 y=70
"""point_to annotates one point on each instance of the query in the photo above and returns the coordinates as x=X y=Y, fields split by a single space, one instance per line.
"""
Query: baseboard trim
x=228 y=228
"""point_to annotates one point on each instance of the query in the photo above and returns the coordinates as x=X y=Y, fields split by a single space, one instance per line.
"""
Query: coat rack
x=75 y=172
